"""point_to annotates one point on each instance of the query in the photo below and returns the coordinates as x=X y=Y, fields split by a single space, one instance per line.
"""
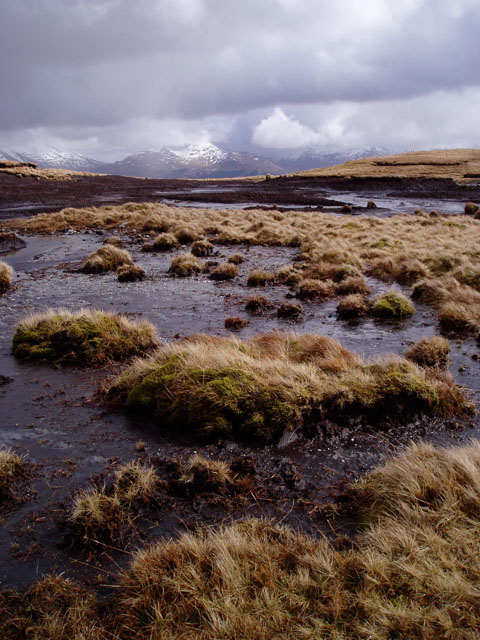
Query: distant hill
x=190 y=161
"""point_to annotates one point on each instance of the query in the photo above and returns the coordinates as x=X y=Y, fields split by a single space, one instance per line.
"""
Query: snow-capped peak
x=205 y=151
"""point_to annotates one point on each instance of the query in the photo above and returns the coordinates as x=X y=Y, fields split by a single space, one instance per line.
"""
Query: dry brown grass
x=130 y=273
x=412 y=573
x=45 y=174
x=106 y=514
x=353 y=306
x=215 y=388
x=106 y=258
x=402 y=248
x=202 y=248
x=430 y=352
x=234 y=323
x=224 y=271
x=83 y=337
x=162 y=242
x=185 y=265
x=412 y=570
x=12 y=467
x=453 y=164
x=260 y=278
x=6 y=276
x=258 y=304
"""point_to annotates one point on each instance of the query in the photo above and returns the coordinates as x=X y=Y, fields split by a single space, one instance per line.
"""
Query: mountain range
x=191 y=161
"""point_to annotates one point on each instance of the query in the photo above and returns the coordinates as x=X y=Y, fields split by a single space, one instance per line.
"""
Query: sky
x=111 y=77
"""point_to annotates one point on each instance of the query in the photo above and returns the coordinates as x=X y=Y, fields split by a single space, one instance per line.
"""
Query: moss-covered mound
x=392 y=304
x=258 y=389
x=84 y=337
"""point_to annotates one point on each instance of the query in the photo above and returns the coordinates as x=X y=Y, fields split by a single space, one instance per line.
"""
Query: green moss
x=392 y=305
x=213 y=403
x=81 y=338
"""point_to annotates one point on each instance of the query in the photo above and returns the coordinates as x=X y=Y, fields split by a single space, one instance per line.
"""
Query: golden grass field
x=454 y=164
x=411 y=571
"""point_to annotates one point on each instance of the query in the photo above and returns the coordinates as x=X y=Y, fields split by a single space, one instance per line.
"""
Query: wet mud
x=56 y=418
x=29 y=195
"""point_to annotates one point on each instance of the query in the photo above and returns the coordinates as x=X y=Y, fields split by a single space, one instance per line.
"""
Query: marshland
x=243 y=422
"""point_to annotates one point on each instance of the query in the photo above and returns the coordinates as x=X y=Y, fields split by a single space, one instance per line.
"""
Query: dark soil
x=29 y=195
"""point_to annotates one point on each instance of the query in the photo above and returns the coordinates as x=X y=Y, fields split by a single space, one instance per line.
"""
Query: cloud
x=104 y=65
x=280 y=131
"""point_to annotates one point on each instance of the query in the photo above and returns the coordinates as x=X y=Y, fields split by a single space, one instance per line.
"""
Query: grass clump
x=258 y=304
x=224 y=271
x=392 y=304
x=115 y=241
x=430 y=352
x=217 y=388
x=289 y=310
x=470 y=209
x=260 y=278
x=130 y=273
x=234 y=323
x=353 y=306
x=84 y=337
x=6 y=276
x=202 y=248
x=107 y=258
x=411 y=571
x=287 y=274
x=185 y=265
x=162 y=242
x=236 y=258
x=12 y=467
x=105 y=514
x=352 y=284
x=317 y=290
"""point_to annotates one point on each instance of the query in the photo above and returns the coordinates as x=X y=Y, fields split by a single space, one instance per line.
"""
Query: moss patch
x=392 y=305
x=84 y=337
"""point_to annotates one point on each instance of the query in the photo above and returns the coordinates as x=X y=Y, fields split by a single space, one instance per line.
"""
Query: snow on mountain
x=52 y=158
x=205 y=152
x=203 y=160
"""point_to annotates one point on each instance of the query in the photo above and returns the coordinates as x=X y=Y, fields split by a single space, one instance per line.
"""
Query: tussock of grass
x=214 y=388
x=258 y=304
x=411 y=572
x=162 y=242
x=289 y=310
x=288 y=274
x=105 y=514
x=430 y=352
x=235 y=323
x=107 y=258
x=353 y=306
x=185 y=265
x=402 y=248
x=6 y=277
x=260 y=278
x=352 y=284
x=12 y=467
x=318 y=290
x=224 y=271
x=84 y=337
x=185 y=235
x=392 y=304
x=236 y=258
x=200 y=475
x=130 y=273
x=202 y=248
x=115 y=241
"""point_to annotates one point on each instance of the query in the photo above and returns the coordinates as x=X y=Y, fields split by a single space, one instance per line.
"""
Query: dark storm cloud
x=109 y=63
